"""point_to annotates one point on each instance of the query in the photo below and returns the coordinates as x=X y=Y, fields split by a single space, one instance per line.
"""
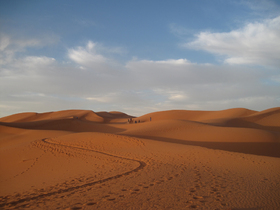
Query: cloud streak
x=256 y=43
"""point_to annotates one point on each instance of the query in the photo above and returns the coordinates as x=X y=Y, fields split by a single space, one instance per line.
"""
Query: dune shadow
x=270 y=149
x=246 y=208
x=72 y=125
x=238 y=123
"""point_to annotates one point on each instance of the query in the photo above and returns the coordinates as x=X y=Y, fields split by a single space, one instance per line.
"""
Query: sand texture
x=177 y=159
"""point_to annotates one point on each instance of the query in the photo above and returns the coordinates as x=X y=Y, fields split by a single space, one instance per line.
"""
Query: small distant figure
x=135 y=121
x=150 y=119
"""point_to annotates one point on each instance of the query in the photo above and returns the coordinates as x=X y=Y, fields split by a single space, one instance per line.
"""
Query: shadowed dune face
x=177 y=159
x=68 y=114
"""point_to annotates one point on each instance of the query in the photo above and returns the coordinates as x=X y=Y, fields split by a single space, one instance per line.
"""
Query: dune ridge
x=174 y=159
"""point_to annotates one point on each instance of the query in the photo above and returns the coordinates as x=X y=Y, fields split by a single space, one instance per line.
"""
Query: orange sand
x=79 y=159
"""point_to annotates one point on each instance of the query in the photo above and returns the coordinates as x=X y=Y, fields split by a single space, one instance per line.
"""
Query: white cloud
x=10 y=47
x=90 y=58
x=168 y=62
x=256 y=43
x=29 y=66
x=101 y=99
x=172 y=95
x=35 y=61
x=86 y=56
x=160 y=74
x=177 y=97
x=199 y=86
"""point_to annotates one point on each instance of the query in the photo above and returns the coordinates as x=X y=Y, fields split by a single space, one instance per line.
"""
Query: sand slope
x=180 y=159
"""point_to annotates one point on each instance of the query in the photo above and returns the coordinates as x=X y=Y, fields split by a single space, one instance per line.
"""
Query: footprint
x=75 y=208
x=111 y=199
x=193 y=206
x=91 y=203
x=192 y=190
x=197 y=197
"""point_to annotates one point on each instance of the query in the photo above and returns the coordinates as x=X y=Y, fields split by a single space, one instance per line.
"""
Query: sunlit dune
x=176 y=159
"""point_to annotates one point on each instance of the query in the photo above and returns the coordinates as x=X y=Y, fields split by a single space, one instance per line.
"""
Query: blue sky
x=139 y=56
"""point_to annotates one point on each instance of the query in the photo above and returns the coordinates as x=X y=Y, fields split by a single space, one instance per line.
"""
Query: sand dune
x=199 y=116
x=268 y=117
x=193 y=131
x=68 y=114
x=177 y=159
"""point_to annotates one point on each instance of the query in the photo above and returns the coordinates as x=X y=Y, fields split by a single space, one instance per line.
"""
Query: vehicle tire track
x=140 y=167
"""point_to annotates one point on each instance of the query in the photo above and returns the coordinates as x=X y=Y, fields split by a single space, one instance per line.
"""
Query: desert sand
x=177 y=159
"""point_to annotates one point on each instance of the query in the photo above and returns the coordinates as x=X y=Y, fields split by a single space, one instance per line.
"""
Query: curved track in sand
x=140 y=167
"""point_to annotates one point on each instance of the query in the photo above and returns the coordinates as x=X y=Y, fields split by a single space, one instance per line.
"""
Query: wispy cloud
x=180 y=31
x=256 y=43
x=94 y=57
x=10 y=46
x=262 y=8
x=86 y=56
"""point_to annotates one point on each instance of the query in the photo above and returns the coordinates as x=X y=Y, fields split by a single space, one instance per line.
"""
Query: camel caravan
x=132 y=121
